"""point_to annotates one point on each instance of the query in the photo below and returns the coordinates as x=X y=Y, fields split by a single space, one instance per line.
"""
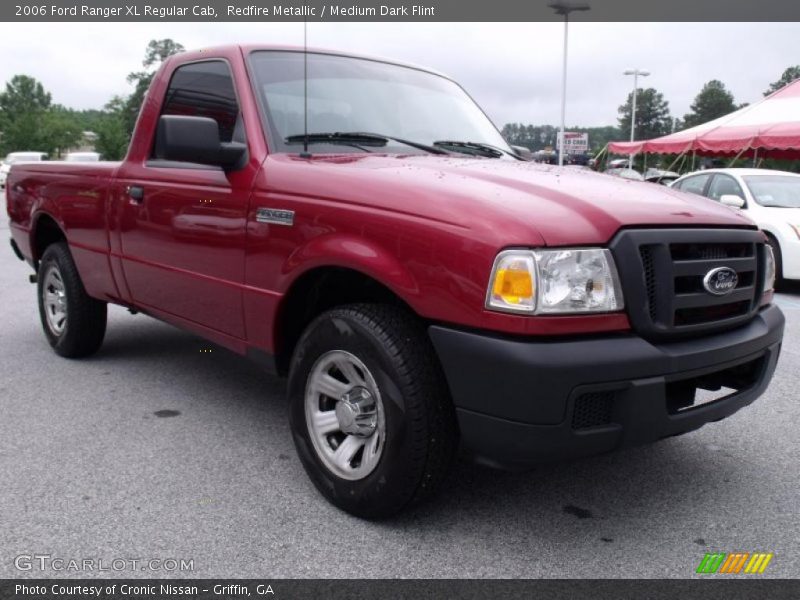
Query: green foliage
x=58 y=131
x=133 y=103
x=112 y=134
x=652 y=115
x=537 y=137
x=29 y=120
x=157 y=51
x=789 y=75
x=713 y=101
x=23 y=94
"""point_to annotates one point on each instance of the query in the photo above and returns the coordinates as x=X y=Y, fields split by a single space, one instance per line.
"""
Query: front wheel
x=74 y=323
x=370 y=414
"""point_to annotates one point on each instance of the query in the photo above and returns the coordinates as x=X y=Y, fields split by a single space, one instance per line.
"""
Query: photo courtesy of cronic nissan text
x=430 y=299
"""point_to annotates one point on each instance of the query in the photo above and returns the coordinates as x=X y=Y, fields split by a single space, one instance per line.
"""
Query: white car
x=17 y=157
x=82 y=157
x=770 y=198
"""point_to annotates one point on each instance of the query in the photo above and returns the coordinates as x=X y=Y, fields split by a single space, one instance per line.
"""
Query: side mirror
x=731 y=200
x=196 y=140
x=522 y=152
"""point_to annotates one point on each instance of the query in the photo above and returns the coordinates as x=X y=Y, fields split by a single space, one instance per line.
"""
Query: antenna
x=305 y=153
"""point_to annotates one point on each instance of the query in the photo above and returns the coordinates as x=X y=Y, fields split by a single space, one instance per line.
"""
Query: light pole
x=635 y=73
x=563 y=7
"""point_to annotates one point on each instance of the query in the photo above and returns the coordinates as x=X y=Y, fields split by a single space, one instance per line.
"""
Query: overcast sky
x=512 y=69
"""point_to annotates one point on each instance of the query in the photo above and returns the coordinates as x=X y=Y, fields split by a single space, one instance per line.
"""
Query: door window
x=695 y=184
x=724 y=184
x=206 y=89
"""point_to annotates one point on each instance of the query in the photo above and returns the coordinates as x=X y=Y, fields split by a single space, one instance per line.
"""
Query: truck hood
x=523 y=200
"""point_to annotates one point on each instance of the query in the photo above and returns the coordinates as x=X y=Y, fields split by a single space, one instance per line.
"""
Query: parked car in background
x=625 y=173
x=660 y=176
x=581 y=159
x=82 y=157
x=770 y=198
x=618 y=163
x=18 y=157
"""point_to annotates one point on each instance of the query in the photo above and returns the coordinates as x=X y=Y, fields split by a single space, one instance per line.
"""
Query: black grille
x=662 y=274
x=710 y=251
x=593 y=410
x=646 y=253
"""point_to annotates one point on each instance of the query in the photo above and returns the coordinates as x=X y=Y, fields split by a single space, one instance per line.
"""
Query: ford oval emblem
x=720 y=281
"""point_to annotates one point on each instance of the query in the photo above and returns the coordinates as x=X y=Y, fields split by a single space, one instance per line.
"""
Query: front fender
x=355 y=253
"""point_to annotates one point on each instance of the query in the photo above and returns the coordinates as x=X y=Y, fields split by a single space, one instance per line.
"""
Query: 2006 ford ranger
x=362 y=227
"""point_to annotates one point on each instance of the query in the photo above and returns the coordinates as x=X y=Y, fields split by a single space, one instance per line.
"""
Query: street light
x=563 y=7
x=636 y=73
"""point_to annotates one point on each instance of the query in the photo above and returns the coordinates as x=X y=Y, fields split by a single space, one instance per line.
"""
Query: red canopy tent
x=769 y=127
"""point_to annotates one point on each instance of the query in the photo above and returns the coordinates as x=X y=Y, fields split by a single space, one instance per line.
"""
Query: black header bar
x=400 y=10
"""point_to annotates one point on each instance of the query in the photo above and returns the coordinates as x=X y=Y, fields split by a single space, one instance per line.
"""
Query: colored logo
x=720 y=281
x=734 y=563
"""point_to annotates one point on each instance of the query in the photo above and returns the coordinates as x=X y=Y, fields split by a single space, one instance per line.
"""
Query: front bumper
x=523 y=402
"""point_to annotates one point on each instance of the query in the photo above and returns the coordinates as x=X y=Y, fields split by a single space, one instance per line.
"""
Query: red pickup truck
x=362 y=227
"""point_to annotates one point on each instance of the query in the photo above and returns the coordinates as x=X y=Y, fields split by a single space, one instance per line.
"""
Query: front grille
x=662 y=274
x=709 y=251
x=593 y=410
x=646 y=252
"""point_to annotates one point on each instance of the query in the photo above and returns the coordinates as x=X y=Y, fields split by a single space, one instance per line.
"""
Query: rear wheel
x=74 y=323
x=370 y=414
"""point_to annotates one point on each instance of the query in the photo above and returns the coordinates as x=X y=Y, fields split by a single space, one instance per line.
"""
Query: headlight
x=768 y=283
x=563 y=281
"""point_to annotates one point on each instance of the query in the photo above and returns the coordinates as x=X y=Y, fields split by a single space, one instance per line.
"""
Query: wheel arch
x=46 y=230
x=317 y=290
x=332 y=272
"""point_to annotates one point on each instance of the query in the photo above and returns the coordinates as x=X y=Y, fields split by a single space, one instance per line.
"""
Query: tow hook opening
x=688 y=394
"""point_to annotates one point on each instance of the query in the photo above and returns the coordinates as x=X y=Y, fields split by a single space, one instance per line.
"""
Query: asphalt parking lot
x=157 y=448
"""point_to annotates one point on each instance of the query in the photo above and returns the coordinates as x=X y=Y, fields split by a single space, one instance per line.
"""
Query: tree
x=789 y=75
x=58 y=131
x=157 y=51
x=652 y=114
x=22 y=107
x=29 y=120
x=713 y=101
x=112 y=136
x=537 y=137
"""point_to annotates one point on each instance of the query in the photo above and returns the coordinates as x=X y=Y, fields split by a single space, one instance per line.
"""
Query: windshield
x=358 y=95
x=778 y=191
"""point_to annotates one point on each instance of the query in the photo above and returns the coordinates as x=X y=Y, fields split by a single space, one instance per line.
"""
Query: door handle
x=136 y=193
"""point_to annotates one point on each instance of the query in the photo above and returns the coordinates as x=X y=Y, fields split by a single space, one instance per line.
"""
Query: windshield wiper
x=341 y=139
x=474 y=148
x=357 y=139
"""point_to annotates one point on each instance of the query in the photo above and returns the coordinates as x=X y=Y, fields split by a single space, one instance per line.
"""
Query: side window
x=696 y=184
x=724 y=184
x=205 y=89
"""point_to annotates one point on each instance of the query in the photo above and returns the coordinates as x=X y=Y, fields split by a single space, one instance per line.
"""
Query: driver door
x=182 y=225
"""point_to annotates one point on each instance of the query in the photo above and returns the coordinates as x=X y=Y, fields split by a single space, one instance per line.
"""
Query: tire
x=776 y=251
x=385 y=350
x=74 y=323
